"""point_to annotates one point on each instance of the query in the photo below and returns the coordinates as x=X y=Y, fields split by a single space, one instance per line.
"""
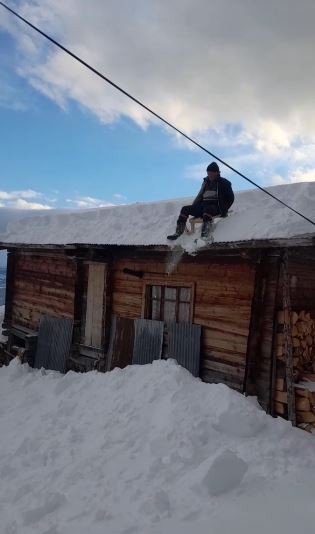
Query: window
x=169 y=303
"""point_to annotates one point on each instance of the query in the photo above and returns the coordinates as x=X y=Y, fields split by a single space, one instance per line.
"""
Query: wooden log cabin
x=107 y=280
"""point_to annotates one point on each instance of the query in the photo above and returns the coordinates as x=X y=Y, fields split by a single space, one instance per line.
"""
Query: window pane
x=170 y=293
x=169 y=310
x=184 y=313
x=156 y=307
x=185 y=294
x=156 y=292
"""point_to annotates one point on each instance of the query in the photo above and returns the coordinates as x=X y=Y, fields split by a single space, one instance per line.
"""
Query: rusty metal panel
x=54 y=342
x=184 y=345
x=148 y=341
x=120 y=343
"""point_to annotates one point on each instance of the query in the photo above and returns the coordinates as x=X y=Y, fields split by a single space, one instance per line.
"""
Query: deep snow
x=255 y=216
x=146 y=450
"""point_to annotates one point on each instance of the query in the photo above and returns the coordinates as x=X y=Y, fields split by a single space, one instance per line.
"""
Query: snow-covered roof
x=254 y=216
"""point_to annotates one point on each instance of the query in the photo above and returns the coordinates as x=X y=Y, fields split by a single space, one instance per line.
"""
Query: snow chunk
x=225 y=473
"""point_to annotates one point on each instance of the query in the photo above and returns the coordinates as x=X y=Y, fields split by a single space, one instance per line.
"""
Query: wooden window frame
x=147 y=284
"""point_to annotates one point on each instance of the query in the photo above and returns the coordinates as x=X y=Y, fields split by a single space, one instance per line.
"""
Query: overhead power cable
x=113 y=84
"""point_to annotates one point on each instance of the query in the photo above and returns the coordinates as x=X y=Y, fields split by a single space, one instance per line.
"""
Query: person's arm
x=199 y=196
x=230 y=195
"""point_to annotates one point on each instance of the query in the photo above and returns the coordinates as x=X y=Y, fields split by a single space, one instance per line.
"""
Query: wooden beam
x=254 y=330
x=288 y=353
x=299 y=241
x=273 y=370
x=11 y=258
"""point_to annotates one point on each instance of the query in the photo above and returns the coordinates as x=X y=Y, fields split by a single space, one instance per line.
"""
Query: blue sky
x=67 y=141
x=68 y=154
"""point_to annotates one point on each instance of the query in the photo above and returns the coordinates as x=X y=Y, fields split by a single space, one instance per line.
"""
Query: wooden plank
x=280 y=409
x=11 y=259
x=288 y=338
x=121 y=343
x=212 y=376
x=95 y=305
x=229 y=370
x=254 y=329
x=262 y=370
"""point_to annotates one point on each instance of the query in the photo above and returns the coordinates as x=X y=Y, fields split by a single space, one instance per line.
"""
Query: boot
x=180 y=228
x=205 y=230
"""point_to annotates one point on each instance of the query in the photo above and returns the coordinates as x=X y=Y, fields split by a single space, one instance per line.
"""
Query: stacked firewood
x=303 y=353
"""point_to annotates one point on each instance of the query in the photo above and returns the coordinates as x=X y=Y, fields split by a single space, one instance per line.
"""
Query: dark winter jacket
x=225 y=195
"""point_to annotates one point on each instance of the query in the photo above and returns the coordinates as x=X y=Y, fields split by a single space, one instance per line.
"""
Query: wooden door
x=95 y=306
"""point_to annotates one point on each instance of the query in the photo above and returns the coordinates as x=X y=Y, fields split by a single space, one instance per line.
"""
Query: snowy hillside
x=146 y=450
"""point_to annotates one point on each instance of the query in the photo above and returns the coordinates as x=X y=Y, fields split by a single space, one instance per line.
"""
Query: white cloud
x=300 y=175
x=201 y=64
x=26 y=205
x=22 y=200
x=14 y=195
x=207 y=66
x=89 y=202
x=119 y=196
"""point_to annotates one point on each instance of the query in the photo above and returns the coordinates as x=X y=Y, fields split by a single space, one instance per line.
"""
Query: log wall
x=302 y=281
x=223 y=291
x=41 y=284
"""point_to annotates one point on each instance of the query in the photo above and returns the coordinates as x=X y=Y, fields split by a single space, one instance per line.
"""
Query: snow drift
x=146 y=450
x=255 y=216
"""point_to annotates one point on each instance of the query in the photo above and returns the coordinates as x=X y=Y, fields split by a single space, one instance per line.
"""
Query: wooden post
x=288 y=338
x=255 y=329
x=273 y=374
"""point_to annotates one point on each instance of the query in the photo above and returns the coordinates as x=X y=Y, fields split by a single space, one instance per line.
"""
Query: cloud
x=300 y=175
x=238 y=76
x=10 y=98
x=13 y=195
x=24 y=204
x=249 y=66
x=22 y=200
x=89 y=202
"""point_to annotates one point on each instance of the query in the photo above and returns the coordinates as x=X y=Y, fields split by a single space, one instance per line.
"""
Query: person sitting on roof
x=214 y=198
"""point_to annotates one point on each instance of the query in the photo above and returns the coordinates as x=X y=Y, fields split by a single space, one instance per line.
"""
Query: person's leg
x=196 y=210
x=209 y=211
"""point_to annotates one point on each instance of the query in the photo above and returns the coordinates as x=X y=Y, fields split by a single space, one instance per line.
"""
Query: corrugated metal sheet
x=148 y=341
x=184 y=345
x=54 y=342
x=121 y=341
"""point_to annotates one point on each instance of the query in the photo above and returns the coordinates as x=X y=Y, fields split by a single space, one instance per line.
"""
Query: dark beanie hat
x=213 y=167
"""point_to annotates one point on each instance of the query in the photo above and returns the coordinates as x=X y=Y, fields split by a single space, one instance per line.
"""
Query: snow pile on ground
x=146 y=450
x=255 y=216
